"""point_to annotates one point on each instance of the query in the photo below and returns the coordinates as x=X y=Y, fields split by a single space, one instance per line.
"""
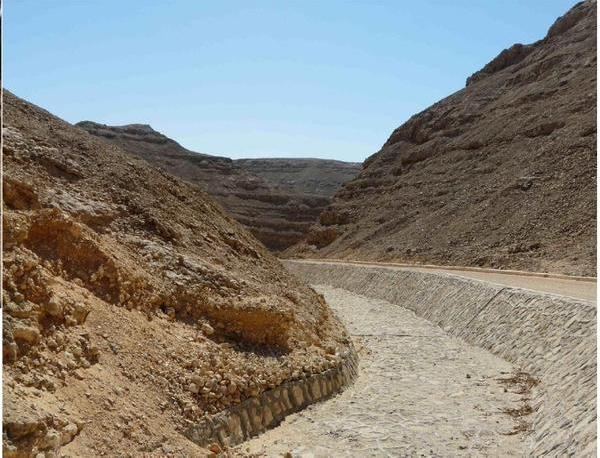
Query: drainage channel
x=419 y=392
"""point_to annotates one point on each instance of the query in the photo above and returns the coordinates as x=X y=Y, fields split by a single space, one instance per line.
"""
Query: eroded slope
x=501 y=174
x=320 y=177
x=134 y=307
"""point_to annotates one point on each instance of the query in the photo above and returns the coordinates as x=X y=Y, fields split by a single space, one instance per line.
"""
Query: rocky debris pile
x=134 y=307
x=276 y=199
x=499 y=174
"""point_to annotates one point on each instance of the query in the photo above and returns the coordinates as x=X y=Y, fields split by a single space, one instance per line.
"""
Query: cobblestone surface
x=420 y=392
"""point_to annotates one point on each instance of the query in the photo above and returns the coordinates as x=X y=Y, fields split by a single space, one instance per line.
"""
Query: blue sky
x=308 y=78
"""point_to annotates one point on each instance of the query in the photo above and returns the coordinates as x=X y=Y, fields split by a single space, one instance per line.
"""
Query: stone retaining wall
x=255 y=415
x=551 y=337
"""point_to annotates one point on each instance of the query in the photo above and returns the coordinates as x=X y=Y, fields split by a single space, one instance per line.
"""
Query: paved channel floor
x=420 y=392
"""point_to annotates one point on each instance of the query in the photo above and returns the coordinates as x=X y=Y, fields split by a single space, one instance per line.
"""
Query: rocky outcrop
x=276 y=199
x=511 y=56
x=501 y=173
x=134 y=307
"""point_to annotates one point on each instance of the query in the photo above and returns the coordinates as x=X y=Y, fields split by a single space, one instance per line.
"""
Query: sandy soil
x=419 y=392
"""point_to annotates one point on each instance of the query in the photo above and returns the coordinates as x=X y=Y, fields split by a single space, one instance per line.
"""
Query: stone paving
x=420 y=392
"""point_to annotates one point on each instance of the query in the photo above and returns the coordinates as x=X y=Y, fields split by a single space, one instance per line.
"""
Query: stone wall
x=551 y=337
x=257 y=414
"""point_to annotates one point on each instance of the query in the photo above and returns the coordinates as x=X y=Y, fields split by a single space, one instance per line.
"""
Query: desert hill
x=321 y=177
x=134 y=307
x=277 y=200
x=501 y=173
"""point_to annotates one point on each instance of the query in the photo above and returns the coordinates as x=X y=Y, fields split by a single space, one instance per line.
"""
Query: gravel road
x=575 y=287
x=420 y=392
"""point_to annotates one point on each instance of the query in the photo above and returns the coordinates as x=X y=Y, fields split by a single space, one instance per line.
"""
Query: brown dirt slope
x=501 y=173
x=276 y=211
x=133 y=306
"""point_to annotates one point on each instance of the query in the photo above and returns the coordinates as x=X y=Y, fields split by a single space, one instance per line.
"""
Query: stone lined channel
x=419 y=392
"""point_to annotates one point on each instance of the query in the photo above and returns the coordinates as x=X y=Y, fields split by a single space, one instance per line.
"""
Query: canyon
x=278 y=200
x=437 y=300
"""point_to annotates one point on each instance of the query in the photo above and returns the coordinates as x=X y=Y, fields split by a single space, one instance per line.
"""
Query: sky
x=258 y=78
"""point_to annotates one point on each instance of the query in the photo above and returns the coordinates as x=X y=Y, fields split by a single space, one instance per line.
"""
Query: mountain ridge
x=277 y=213
x=499 y=174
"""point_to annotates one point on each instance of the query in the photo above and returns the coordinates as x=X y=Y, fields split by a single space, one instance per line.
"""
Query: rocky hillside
x=501 y=173
x=321 y=177
x=134 y=308
x=278 y=208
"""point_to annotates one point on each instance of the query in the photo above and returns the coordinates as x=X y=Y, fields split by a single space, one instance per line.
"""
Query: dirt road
x=576 y=287
x=419 y=392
